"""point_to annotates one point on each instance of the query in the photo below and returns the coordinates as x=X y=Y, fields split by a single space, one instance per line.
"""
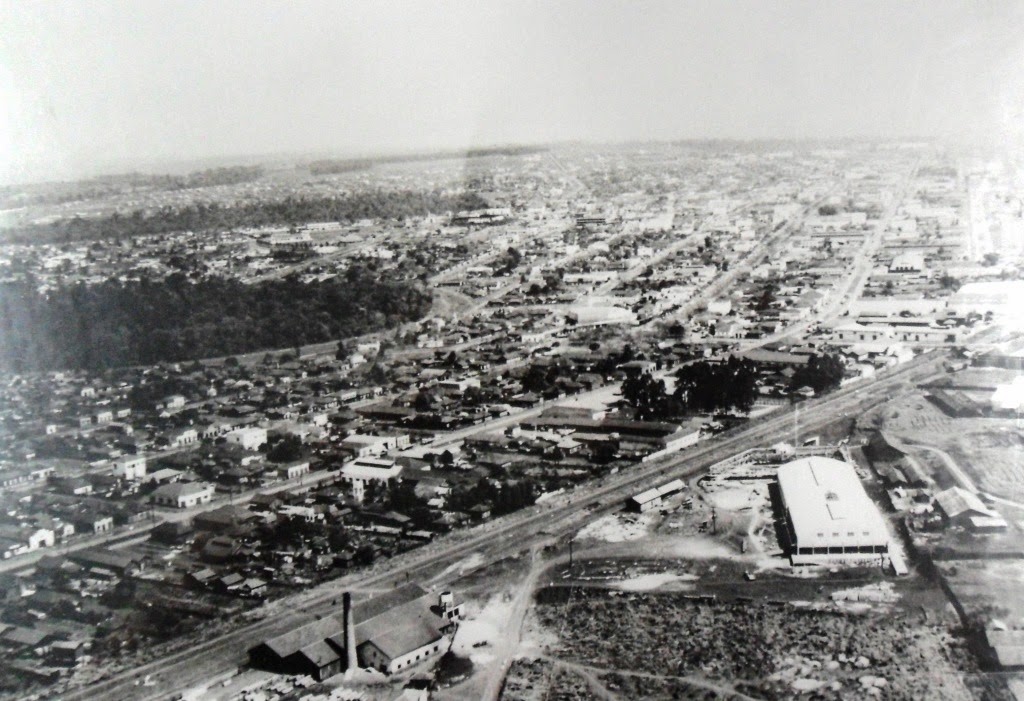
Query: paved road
x=203 y=658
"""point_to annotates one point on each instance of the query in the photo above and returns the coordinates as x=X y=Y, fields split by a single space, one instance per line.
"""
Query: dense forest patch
x=129 y=323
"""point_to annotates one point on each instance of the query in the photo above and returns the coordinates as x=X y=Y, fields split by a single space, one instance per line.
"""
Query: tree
x=948 y=282
x=286 y=449
x=452 y=668
x=821 y=373
x=646 y=395
x=709 y=387
x=424 y=400
x=767 y=298
x=539 y=378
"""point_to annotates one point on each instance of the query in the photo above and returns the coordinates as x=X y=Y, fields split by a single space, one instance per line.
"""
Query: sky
x=97 y=86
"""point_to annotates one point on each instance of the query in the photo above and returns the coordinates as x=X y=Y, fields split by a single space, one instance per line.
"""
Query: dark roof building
x=394 y=631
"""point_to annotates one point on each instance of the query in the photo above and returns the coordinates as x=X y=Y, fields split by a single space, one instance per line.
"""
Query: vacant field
x=994 y=458
x=763 y=650
x=989 y=450
x=988 y=589
x=542 y=680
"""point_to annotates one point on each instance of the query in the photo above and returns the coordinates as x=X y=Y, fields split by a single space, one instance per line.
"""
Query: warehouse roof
x=828 y=505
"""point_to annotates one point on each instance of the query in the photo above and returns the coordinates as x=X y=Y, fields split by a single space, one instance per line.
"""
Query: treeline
x=132 y=323
x=111 y=185
x=347 y=165
x=372 y=204
x=231 y=175
x=708 y=387
x=701 y=387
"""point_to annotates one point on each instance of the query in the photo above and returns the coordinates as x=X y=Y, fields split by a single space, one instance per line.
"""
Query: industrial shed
x=962 y=508
x=652 y=498
x=388 y=633
x=827 y=514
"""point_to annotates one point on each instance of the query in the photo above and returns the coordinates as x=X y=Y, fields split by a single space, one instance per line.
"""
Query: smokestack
x=350 y=634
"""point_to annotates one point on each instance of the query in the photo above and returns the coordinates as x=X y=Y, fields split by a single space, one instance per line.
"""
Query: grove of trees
x=708 y=387
x=119 y=323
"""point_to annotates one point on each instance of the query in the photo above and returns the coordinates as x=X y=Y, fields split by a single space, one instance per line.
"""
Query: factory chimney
x=350 y=635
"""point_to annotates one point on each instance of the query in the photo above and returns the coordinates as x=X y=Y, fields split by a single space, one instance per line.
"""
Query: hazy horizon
x=99 y=87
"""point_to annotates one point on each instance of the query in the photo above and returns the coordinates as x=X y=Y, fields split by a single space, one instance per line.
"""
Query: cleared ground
x=989 y=450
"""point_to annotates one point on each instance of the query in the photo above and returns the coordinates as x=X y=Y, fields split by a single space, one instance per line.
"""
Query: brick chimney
x=350 y=635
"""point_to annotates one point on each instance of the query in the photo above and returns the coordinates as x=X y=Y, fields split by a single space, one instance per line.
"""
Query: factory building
x=389 y=633
x=827 y=514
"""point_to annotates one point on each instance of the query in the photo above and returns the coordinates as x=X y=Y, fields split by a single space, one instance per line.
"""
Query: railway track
x=203 y=659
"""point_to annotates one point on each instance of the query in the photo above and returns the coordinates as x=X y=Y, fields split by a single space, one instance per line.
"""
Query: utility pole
x=796 y=425
x=570 y=553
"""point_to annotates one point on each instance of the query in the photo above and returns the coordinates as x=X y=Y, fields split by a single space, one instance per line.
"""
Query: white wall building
x=182 y=495
x=361 y=472
x=131 y=467
x=250 y=437
x=828 y=515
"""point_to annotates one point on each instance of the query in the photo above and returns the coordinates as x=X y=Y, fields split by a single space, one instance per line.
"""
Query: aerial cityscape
x=539 y=418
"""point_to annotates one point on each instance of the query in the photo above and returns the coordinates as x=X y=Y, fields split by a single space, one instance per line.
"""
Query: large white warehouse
x=828 y=515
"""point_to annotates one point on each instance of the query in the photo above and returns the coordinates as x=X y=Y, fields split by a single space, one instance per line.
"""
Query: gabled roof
x=320 y=653
x=304 y=636
x=28 y=637
x=957 y=501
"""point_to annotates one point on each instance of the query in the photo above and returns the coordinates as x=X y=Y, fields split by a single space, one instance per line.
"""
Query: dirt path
x=596 y=687
x=584 y=670
x=505 y=648
x=962 y=478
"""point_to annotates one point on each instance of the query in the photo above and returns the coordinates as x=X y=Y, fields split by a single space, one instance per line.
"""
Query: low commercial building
x=359 y=473
x=827 y=514
x=183 y=495
x=294 y=470
x=601 y=316
x=362 y=445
